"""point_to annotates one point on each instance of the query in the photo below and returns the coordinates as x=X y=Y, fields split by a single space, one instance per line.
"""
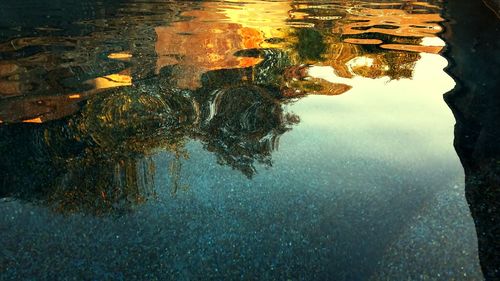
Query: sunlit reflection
x=413 y=48
x=212 y=36
x=209 y=40
x=120 y=56
x=112 y=81
x=34 y=120
x=363 y=41
x=391 y=22
x=268 y=18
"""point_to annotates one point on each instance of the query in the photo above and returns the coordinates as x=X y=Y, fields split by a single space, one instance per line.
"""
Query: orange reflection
x=425 y=4
x=363 y=41
x=413 y=48
x=394 y=29
x=34 y=120
x=209 y=40
x=267 y=17
x=120 y=79
x=406 y=32
x=391 y=22
x=198 y=46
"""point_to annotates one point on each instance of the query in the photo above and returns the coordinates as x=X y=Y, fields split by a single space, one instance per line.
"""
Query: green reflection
x=310 y=44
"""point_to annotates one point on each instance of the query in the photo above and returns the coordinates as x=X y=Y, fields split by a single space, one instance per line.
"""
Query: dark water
x=266 y=140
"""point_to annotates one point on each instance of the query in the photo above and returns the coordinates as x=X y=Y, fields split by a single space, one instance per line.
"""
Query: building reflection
x=206 y=42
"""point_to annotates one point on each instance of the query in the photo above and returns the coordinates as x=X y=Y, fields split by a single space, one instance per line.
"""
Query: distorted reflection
x=209 y=36
x=220 y=73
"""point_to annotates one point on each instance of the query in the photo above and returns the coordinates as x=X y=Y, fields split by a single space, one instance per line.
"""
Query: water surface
x=265 y=140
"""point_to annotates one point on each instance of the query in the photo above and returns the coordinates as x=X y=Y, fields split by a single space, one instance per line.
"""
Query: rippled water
x=265 y=140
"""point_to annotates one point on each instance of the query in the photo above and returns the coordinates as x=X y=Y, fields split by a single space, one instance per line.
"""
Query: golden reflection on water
x=391 y=22
x=268 y=18
x=121 y=79
x=223 y=72
x=209 y=40
x=206 y=47
x=389 y=35
x=120 y=56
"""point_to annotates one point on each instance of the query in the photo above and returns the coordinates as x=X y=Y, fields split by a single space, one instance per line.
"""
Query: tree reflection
x=212 y=72
x=100 y=159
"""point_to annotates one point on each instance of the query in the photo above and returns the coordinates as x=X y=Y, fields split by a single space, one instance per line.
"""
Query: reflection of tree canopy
x=242 y=125
x=100 y=159
x=137 y=119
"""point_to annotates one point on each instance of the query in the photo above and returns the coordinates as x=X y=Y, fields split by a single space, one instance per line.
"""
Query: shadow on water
x=475 y=102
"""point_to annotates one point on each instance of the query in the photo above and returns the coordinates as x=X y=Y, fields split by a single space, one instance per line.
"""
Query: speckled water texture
x=255 y=140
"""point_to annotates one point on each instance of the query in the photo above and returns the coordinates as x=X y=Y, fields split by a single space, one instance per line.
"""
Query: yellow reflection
x=405 y=34
x=215 y=32
x=120 y=56
x=113 y=80
x=268 y=18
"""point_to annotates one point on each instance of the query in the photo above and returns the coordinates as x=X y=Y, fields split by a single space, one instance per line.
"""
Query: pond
x=209 y=140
